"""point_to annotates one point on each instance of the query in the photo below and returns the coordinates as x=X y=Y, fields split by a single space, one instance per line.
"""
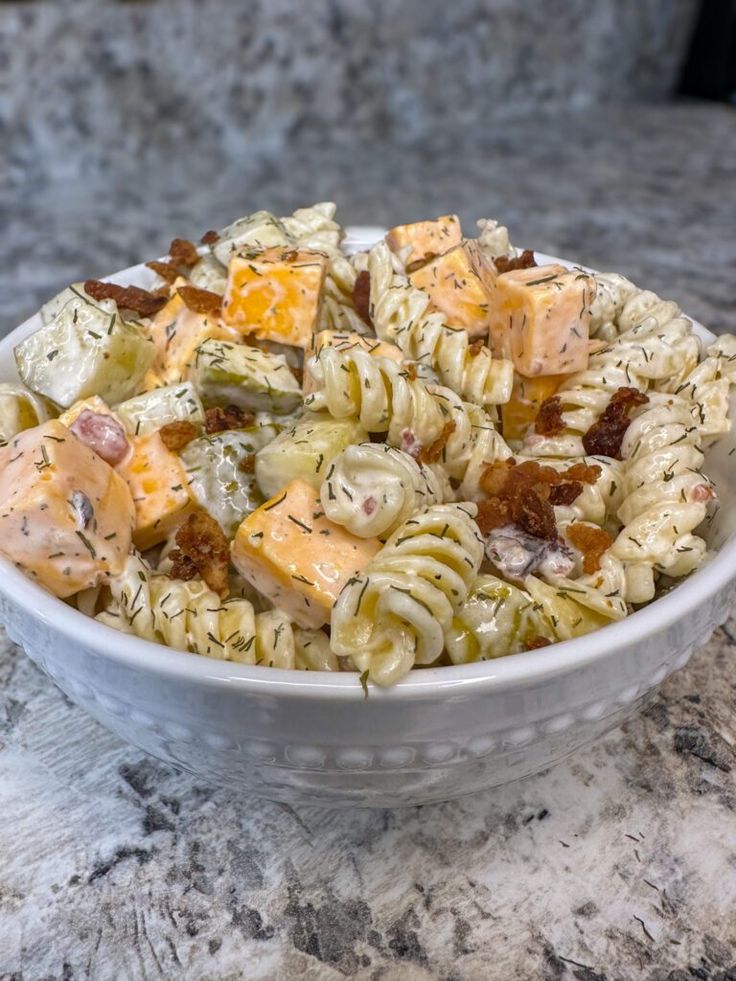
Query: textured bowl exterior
x=310 y=738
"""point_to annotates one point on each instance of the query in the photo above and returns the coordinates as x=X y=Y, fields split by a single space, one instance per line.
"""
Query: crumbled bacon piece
x=410 y=370
x=142 y=302
x=182 y=252
x=362 y=296
x=297 y=372
x=549 y=418
x=248 y=463
x=534 y=515
x=201 y=301
x=605 y=436
x=210 y=237
x=182 y=566
x=534 y=643
x=163 y=269
x=592 y=541
x=565 y=493
x=525 y=493
x=495 y=512
x=432 y=453
x=202 y=545
x=476 y=347
x=218 y=419
x=505 y=263
x=176 y=435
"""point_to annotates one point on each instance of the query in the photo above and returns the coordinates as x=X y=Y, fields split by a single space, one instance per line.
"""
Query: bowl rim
x=522 y=670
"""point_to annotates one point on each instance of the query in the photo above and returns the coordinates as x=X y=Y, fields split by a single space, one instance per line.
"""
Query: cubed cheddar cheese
x=425 y=239
x=160 y=488
x=177 y=332
x=540 y=319
x=66 y=517
x=275 y=294
x=518 y=414
x=460 y=285
x=296 y=557
x=345 y=341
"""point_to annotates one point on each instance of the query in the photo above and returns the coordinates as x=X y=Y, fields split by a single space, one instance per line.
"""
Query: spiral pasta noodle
x=666 y=496
x=372 y=488
x=387 y=399
x=394 y=613
x=399 y=312
x=189 y=616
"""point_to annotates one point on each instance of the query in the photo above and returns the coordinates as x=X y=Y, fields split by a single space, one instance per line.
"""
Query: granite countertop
x=620 y=863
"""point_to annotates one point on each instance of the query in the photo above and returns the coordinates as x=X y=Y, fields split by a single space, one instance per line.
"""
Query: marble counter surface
x=619 y=864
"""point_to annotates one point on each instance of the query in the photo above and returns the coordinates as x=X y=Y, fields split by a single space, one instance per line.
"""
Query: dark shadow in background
x=710 y=67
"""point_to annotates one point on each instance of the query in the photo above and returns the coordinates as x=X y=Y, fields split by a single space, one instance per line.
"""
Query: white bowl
x=315 y=739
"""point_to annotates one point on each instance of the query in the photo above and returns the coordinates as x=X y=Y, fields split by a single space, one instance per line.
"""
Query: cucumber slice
x=238 y=374
x=87 y=349
x=150 y=411
x=305 y=450
x=220 y=476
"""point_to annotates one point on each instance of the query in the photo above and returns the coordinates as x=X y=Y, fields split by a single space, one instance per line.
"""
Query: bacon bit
x=182 y=566
x=432 y=453
x=362 y=296
x=504 y=263
x=248 y=463
x=534 y=515
x=605 y=436
x=584 y=472
x=142 y=302
x=409 y=443
x=176 y=435
x=182 y=252
x=534 y=643
x=565 y=493
x=703 y=493
x=410 y=370
x=493 y=513
x=476 y=347
x=369 y=505
x=201 y=301
x=298 y=373
x=163 y=269
x=203 y=546
x=525 y=493
x=217 y=419
x=592 y=542
x=210 y=237
x=549 y=418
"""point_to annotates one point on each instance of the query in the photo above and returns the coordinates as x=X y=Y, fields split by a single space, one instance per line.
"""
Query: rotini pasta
x=372 y=488
x=394 y=614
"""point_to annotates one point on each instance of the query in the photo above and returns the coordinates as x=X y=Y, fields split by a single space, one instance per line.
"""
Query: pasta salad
x=432 y=452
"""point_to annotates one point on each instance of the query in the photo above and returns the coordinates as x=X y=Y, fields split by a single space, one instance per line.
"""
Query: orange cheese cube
x=160 y=489
x=275 y=294
x=460 y=286
x=296 y=557
x=519 y=413
x=540 y=319
x=427 y=239
x=346 y=341
x=66 y=517
x=177 y=332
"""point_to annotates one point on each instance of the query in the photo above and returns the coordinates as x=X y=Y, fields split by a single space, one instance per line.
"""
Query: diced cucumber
x=220 y=475
x=20 y=409
x=87 y=349
x=305 y=450
x=55 y=305
x=145 y=413
x=209 y=274
x=238 y=374
x=258 y=231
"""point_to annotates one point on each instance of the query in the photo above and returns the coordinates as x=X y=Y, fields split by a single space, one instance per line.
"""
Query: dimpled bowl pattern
x=314 y=738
